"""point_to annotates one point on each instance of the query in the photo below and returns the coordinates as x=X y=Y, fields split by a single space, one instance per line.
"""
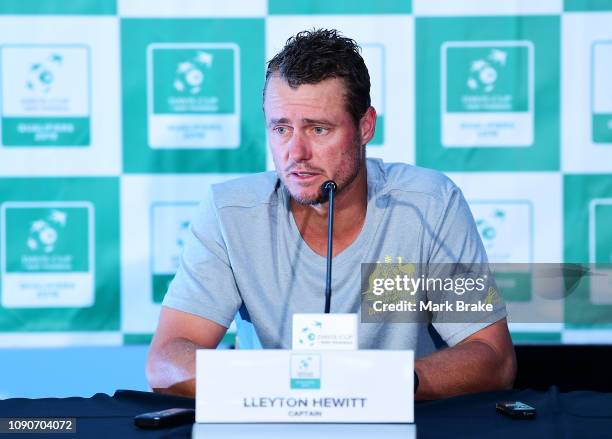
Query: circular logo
x=42 y=236
x=42 y=74
x=309 y=334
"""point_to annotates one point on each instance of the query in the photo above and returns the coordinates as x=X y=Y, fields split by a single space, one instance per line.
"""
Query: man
x=258 y=245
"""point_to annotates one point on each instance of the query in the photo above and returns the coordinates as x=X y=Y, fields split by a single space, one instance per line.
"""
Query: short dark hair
x=312 y=56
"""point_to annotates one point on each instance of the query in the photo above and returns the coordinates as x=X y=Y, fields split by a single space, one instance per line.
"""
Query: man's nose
x=299 y=149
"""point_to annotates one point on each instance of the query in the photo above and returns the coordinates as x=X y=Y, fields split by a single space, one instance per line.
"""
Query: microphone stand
x=329 y=189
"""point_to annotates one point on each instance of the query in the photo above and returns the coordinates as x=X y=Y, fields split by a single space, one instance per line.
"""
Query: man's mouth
x=303 y=175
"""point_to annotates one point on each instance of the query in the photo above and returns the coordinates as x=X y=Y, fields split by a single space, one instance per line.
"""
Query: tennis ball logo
x=484 y=72
x=304 y=364
x=45 y=232
x=487 y=226
x=42 y=74
x=182 y=233
x=189 y=75
x=308 y=335
x=181 y=238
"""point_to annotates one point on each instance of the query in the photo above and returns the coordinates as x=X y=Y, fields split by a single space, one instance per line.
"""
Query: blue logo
x=310 y=333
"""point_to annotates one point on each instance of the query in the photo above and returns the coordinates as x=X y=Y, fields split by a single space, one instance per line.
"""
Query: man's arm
x=171 y=359
x=482 y=362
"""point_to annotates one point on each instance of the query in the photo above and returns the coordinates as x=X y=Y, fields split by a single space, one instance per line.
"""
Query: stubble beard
x=346 y=176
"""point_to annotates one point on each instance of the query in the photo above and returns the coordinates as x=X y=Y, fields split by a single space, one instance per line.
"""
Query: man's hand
x=482 y=362
x=171 y=359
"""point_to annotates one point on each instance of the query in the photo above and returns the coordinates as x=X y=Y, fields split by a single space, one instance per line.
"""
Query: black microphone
x=329 y=190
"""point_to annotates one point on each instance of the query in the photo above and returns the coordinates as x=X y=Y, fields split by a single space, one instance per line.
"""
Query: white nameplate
x=325 y=332
x=366 y=386
x=303 y=431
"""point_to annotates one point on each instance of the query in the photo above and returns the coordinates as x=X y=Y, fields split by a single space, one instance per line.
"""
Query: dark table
x=560 y=415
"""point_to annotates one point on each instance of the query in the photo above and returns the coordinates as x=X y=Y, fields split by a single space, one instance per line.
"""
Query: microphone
x=329 y=190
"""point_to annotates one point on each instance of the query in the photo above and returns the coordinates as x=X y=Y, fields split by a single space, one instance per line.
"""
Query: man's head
x=309 y=57
x=318 y=113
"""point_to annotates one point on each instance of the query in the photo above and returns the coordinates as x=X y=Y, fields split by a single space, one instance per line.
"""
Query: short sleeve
x=204 y=283
x=456 y=249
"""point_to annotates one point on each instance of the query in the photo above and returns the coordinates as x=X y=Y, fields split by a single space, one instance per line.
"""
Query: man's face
x=312 y=137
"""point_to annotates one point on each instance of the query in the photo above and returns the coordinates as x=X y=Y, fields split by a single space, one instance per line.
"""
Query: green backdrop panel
x=588 y=5
x=339 y=7
x=192 y=95
x=588 y=222
x=60 y=254
x=58 y=7
x=487 y=93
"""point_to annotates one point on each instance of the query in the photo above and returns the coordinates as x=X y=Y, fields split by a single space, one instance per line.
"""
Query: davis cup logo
x=47 y=254
x=304 y=364
x=506 y=229
x=491 y=83
x=601 y=91
x=193 y=95
x=483 y=72
x=310 y=333
x=305 y=371
x=45 y=94
x=44 y=232
x=600 y=250
x=190 y=74
x=42 y=74
x=170 y=229
x=487 y=227
x=487 y=93
x=182 y=235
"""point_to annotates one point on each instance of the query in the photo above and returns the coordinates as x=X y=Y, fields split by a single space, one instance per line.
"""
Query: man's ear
x=367 y=125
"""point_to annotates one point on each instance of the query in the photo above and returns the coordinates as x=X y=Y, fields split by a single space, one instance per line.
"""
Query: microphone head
x=329 y=185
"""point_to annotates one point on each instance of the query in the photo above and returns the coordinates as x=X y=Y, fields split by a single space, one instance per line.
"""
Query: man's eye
x=320 y=130
x=281 y=130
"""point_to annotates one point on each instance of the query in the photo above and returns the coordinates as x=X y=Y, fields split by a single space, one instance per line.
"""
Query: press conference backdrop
x=116 y=116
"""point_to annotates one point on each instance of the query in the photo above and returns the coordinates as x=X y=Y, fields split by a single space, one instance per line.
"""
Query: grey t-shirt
x=245 y=253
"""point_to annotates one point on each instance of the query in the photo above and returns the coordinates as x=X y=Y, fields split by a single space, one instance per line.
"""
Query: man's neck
x=350 y=207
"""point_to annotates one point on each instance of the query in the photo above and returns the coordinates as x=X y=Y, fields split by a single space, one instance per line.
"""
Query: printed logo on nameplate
x=45 y=96
x=47 y=254
x=169 y=228
x=193 y=95
x=487 y=94
x=601 y=91
x=325 y=331
x=305 y=371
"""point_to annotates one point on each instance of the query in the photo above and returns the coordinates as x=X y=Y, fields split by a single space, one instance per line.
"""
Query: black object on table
x=577 y=414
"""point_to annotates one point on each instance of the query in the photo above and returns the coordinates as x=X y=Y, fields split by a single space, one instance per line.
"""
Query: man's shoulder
x=247 y=191
x=404 y=179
